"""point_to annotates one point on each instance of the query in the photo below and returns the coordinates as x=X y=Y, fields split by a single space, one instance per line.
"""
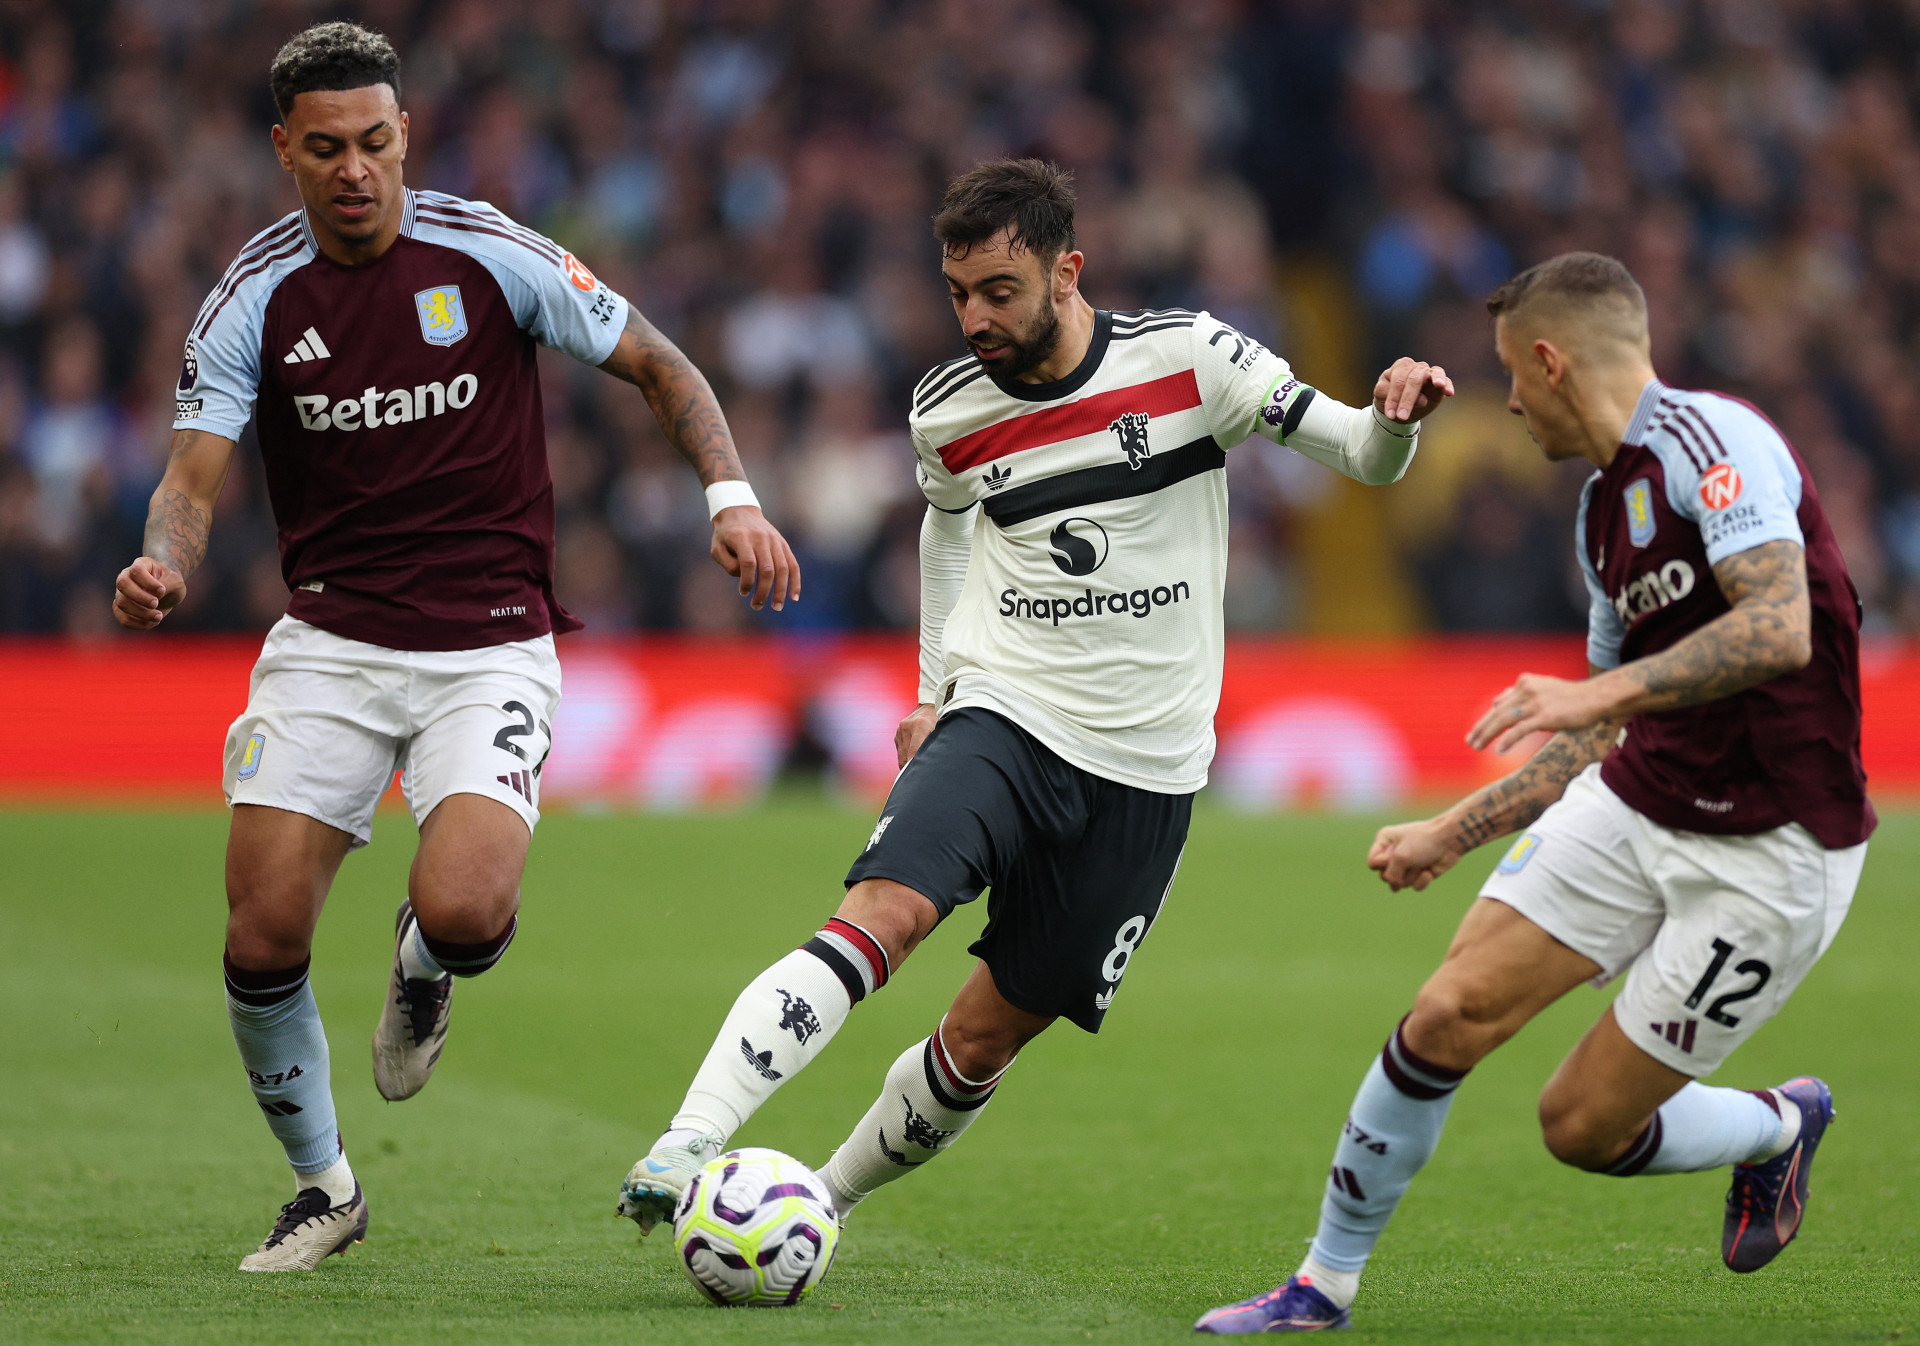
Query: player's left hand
x=753 y=552
x=1534 y=703
x=1411 y=389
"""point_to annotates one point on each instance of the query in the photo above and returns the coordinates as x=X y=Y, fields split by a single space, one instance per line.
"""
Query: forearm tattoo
x=177 y=530
x=1514 y=801
x=1767 y=633
x=682 y=400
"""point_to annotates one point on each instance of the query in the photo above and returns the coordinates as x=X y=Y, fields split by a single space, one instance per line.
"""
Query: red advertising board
x=675 y=723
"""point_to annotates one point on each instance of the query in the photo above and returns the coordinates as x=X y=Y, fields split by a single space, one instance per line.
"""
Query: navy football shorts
x=1078 y=865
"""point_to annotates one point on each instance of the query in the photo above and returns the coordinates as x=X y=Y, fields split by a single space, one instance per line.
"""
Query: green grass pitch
x=1119 y=1186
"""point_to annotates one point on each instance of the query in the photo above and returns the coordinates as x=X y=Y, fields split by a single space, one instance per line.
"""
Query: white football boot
x=413 y=1023
x=655 y=1184
x=310 y=1229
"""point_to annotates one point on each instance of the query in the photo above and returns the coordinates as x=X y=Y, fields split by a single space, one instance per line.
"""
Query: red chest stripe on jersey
x=1158 y=397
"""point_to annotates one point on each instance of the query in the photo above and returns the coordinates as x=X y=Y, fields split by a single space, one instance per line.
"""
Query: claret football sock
x=923 y=1107
x=467 y=960
x=1702 y=1128
x=1390 y=1133
x=276 y=1025
x=779 y=1024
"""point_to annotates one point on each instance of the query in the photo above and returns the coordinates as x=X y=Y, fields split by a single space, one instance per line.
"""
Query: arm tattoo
x=177 y=530
x=682 y=400
x=1768 y=632
x=1514 y=801
x=178 y=525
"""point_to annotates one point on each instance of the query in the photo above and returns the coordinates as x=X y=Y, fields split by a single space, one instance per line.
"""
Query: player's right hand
x=913 y=732
x=145 y=592
x=1413 y=855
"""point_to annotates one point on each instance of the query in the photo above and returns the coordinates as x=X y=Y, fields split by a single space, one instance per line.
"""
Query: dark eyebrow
x=989 y=280
x=336 y=140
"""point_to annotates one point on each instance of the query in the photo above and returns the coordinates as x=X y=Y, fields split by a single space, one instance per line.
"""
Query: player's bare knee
x=979 y=1050
x=1575 y=1135
x=894 y=914
x=470 y=909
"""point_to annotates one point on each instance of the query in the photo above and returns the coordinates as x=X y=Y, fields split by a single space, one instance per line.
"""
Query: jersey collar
x=1089 y=366
x=1643 y=411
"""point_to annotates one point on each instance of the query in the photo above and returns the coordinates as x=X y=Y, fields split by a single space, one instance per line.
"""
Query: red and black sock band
x=854 y=955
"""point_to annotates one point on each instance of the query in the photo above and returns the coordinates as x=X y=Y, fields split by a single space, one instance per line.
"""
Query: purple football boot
x=1768 y=1199
x=1293 y=1307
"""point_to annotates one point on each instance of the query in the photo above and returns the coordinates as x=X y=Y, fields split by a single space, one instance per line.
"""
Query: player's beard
x=1032 y=348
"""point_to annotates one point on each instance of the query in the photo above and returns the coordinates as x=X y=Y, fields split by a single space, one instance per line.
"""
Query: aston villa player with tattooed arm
x=383 y=342
x=1710 y=857
x=1072 y=562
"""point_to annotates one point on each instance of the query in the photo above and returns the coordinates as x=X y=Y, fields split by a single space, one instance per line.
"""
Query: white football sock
x=1390 y=1133
x=772 y=1033
x=336 y=1181
x=923 y=1107
x=1338 y=1286
x=1702 y=1128
x=415 y=962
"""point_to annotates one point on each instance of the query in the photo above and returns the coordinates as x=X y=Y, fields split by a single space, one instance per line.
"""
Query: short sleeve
x=220 y=371
x=569 y=308
x=554 y=296
x=943 y=490
x=1605 y=627
x=1730 y=472
x=1244 y=386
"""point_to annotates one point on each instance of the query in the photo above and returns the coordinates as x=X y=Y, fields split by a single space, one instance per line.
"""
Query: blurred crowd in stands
x=1343 y=181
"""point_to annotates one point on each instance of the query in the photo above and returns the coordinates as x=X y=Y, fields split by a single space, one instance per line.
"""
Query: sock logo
x=1361 y=1138
x=797 y=1016
x=919 y=1131
x=1344 y=1181
x=760 y=1061
x=894 y=1156
x=280 y=1109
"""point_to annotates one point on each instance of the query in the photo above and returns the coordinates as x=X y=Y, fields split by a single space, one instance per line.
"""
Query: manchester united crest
x=443 y=319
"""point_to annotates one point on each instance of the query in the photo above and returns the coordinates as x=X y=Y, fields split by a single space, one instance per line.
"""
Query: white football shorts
x=329 y=720
x=1714 y=933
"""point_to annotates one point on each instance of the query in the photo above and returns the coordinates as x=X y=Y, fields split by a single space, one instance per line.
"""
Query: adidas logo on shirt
x=310 y=347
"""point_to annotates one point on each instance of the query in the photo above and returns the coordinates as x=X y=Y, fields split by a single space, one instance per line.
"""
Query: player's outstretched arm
x=1767 y=632
x=179 y=521
x=744 y=543
x=1413 y=855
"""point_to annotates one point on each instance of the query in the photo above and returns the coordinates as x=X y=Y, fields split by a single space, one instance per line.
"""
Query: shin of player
x=1707 y=855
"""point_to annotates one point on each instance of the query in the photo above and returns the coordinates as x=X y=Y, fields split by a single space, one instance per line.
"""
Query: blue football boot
x=1293 y=1307
x=1768 y=1199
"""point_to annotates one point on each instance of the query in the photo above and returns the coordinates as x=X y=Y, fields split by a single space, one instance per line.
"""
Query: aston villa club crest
x=1639 y=500
x=443 y=318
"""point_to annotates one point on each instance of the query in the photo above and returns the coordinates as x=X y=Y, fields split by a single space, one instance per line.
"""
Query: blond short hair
x=1575 y=295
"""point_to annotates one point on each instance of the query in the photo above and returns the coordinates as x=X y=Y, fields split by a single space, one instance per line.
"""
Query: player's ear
x=403 y=137
x=1066 y=274
x=282 y=147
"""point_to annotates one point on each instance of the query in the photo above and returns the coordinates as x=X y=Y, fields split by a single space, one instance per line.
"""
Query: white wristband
x=726 y=494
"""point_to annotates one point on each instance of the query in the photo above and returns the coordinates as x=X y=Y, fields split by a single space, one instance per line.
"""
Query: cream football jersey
x=1091 y=610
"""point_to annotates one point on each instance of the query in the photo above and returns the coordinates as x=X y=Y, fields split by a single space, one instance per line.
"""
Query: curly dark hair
x=332 y=56
x=1030 y=197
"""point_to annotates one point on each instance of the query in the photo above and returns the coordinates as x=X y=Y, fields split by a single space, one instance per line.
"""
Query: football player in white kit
x=1073 y=555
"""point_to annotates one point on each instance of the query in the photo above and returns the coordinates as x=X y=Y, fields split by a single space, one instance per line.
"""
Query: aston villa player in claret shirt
x=382 y=341
x=1696 y=825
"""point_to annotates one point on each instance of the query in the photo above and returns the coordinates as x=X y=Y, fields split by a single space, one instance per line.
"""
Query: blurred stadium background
x=1344 y=181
